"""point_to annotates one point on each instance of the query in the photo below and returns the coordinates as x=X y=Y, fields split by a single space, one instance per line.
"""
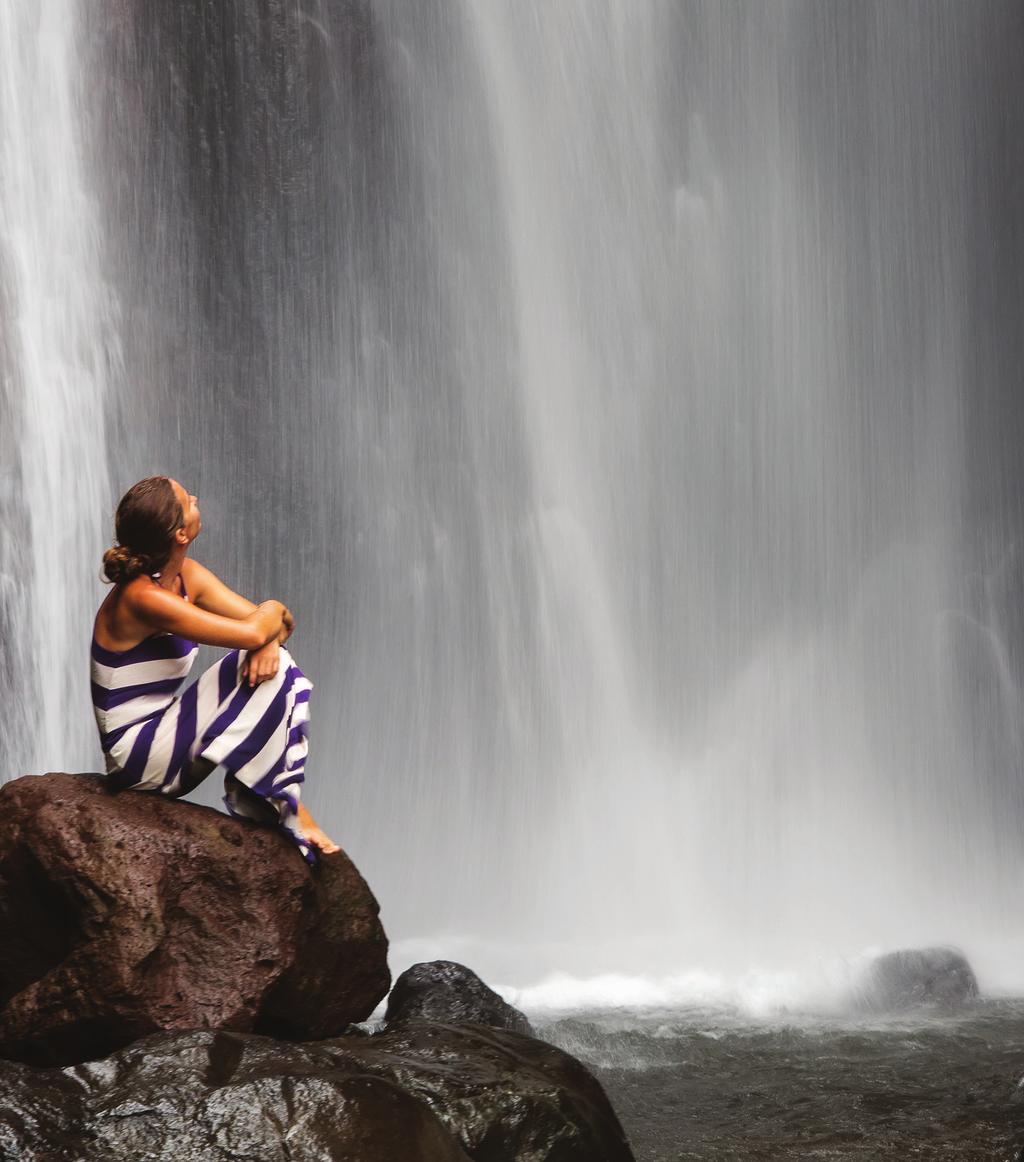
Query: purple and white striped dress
x=150 y=734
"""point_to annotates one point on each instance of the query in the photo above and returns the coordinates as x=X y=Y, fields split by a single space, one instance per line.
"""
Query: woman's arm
x=160 y=610
x=207 y=591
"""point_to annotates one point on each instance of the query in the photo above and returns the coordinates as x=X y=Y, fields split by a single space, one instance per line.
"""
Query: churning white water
x=56 y=350
x=598 y=382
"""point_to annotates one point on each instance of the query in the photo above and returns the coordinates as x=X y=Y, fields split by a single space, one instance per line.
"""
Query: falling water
x=56 y=352
x=611 y=388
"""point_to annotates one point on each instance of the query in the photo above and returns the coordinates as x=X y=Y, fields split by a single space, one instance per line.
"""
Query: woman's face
x=190 y=512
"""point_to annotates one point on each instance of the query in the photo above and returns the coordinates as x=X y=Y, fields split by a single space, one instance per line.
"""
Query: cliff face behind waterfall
x=625 y=397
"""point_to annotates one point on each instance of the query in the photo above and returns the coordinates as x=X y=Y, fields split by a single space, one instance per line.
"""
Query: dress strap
x=155 y=577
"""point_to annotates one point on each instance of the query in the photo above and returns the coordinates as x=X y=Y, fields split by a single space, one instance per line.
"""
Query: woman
x=248 y=713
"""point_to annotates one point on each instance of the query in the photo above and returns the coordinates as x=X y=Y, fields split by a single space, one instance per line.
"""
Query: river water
x=692 y=1084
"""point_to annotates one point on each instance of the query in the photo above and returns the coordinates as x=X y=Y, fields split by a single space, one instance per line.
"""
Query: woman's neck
x=171 y=570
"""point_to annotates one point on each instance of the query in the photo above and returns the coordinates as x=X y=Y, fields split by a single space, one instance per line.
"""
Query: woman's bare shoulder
x=117 y=624
x=142 y=597
x=195 y=575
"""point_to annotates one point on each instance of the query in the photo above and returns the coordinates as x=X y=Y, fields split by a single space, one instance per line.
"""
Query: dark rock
x=426 y=1093
x=124 y=915
x=214 y=1097
x=915 y=977
x=441 y=990
x=507 y=1097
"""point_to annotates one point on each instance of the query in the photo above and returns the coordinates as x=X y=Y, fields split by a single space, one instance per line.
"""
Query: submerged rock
x=426 y=1093
x=441 y=990
x=915 y=977
x=124 y=915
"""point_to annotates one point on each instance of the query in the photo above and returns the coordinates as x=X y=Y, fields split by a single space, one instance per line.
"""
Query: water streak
x=57 y=357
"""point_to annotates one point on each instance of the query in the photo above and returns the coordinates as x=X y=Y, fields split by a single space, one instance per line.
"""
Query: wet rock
x=429 y=1093
x=508 y=1098
x=229 y=1096
x=915 y=977
x=215 y=1097
x=41 y=1115
x=124 y=915
x=441 y=990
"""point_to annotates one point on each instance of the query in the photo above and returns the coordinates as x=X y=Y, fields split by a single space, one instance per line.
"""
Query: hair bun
x=121 y=564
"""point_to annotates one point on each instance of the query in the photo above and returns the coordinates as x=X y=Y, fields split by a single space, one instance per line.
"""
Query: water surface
x=692 y=1084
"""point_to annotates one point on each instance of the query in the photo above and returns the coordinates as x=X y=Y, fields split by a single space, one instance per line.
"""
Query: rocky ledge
x=147 y=948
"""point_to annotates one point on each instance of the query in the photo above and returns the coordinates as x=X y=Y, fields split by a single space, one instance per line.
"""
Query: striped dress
x=150 y=734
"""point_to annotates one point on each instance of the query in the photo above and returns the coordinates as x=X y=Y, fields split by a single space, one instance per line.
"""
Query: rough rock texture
x=427 y=1093
x=912 y=977
x=341 y=972
x=123 y=915
x=441 y=990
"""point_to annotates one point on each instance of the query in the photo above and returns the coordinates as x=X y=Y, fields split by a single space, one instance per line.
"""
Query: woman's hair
x=147 y=518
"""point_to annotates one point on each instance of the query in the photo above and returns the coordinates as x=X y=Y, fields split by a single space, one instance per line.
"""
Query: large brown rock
x=130 y=914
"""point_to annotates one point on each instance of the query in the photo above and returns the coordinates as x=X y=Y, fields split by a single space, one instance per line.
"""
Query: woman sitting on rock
x=248 y=714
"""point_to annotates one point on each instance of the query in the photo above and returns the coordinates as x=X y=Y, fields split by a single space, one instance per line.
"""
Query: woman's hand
x=261 y=664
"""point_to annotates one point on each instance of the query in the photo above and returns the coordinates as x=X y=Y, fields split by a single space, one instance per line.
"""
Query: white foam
x=549 y=981
x=757 y=993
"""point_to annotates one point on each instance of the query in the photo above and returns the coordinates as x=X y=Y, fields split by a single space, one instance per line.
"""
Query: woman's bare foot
x=313 y=834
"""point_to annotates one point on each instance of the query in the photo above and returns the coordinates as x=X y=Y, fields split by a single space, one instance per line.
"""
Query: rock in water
x=441 y=990
x=508 y=1098
x=913 y=977
x=124 y=915
x=427 y=1093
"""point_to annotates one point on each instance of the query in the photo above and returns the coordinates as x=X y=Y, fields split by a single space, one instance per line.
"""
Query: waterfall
x=58 y=352
x=620 y=393
x=732 y=261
